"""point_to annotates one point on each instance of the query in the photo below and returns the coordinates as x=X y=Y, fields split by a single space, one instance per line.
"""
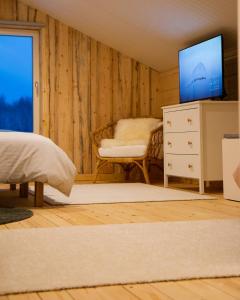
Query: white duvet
x=31 y=157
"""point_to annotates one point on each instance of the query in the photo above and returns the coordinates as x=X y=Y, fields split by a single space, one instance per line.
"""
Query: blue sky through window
x=16 y=83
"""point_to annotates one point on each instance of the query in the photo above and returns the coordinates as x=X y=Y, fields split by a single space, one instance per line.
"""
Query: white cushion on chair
x=123 y=151
x=107 y=143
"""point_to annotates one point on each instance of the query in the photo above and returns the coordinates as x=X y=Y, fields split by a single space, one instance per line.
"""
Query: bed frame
x=23 y=192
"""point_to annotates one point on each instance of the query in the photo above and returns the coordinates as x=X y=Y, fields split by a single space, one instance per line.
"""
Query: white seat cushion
x=108 y=143
x=123 y=151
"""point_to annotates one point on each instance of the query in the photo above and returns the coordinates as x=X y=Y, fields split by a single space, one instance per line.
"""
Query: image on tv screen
x=200 y=70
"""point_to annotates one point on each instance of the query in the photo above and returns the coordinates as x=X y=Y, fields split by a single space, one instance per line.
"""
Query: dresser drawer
x=182 y=165
x=182 y=143
x=181 y=120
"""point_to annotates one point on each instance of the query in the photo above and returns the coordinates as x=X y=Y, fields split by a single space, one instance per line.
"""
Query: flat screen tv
x=201 y=70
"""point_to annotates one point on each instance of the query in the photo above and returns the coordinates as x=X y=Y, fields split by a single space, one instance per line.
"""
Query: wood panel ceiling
x=151 y=31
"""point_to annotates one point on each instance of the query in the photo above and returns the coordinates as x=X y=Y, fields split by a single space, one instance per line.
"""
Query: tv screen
x=201 y=70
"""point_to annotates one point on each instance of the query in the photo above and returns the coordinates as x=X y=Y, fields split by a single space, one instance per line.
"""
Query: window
x=19 y=80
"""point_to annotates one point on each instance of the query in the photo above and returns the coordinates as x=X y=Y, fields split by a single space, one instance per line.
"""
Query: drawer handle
x=169 y=164
x=189 y=120
x=189 y=143
x=190 y=166
x=169 y=144
x=169 y=122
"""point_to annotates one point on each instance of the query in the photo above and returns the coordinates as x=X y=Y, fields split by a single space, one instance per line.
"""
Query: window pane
x=16 y=83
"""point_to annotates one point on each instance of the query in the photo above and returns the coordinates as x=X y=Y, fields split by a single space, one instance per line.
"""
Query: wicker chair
x=152 y=155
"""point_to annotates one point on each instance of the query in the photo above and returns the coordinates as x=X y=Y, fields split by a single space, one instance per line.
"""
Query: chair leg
x=145 y=171
x=99 y=165
x=96 y=171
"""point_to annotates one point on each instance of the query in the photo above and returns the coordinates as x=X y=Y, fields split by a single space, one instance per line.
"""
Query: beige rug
x=118 y=192
x=80 y=256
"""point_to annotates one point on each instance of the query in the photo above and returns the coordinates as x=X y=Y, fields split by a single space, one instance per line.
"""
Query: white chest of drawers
x=193 y=135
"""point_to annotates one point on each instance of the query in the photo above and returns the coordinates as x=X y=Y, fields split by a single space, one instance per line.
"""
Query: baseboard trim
x=101 y=177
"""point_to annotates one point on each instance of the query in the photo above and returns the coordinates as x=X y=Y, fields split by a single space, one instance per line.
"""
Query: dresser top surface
x=197 y=103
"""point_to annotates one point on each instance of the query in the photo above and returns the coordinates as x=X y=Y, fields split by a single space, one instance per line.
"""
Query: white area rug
x=118 y=192
x=80 y=256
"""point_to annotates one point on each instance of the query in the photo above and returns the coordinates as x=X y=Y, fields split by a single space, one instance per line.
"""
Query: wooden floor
x=50 y=216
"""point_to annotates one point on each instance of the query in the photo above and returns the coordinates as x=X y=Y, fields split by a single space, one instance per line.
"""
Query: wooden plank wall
x=84 y=84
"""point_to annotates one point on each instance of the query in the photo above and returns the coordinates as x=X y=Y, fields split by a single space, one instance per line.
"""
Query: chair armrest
x=155 y=146
x=103 y=133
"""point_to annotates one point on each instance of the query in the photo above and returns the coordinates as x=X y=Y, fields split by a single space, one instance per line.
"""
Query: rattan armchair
x=152 y=155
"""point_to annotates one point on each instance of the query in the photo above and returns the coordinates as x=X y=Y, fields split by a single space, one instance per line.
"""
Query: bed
x=29 y=157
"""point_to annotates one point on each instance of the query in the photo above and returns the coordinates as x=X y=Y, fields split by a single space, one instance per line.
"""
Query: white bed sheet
x=28 y=157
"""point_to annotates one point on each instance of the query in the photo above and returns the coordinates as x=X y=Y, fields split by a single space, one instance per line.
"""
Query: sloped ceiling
x=151 y=31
